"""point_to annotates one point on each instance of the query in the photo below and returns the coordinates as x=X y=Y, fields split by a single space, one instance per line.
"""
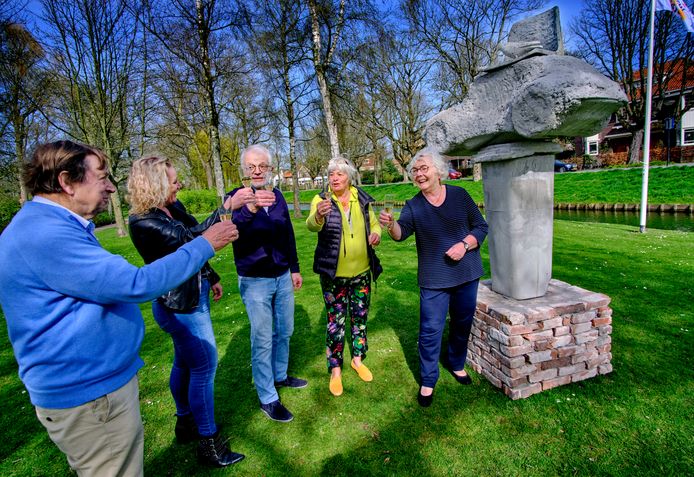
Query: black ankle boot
x=214 y=451
x=186 y=430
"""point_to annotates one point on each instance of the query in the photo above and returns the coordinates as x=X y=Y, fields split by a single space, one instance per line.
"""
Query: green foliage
x=635 y=421
x=9 y=206
x=199 y=201
x=389 y=173
x=104 y=218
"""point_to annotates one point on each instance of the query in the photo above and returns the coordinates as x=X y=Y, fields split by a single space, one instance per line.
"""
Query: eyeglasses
x=422 y=169
x=260 y=167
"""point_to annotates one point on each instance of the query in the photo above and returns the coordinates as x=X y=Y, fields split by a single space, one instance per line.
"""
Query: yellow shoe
x=363 y=372
x=335 y=385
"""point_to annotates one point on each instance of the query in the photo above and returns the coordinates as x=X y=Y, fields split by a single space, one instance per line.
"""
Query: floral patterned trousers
x=343 y=295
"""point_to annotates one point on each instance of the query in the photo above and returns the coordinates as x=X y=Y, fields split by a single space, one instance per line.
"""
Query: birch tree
x=278 y=42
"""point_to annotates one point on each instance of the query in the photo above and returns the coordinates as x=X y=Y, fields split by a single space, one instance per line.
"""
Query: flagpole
x=647 y=127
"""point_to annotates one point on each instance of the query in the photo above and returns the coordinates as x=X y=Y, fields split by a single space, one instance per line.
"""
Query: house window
x=688 y=135
x=592 y=147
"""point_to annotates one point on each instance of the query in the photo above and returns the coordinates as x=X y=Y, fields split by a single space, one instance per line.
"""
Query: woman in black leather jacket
x=160 y=224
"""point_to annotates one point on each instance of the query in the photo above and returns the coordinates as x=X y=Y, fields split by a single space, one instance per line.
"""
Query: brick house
x=611 y=145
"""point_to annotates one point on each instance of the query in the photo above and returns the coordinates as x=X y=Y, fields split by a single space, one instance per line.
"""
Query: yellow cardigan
x=356 y=260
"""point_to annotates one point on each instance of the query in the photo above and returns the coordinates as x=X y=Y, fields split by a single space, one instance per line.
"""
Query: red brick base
x=525 y=347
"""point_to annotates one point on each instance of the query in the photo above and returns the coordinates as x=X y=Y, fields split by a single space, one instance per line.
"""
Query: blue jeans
x=270 y=306
x=195 y=360
x=460 y=302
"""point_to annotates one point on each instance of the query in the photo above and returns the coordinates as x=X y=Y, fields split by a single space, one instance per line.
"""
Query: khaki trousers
x=103 y=437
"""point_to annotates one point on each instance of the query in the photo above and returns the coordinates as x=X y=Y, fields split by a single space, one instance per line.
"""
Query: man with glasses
x=268 y=269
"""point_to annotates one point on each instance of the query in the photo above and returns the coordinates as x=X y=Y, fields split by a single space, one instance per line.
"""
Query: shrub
x=200 y=201
x=8 y=207
x=367 y=177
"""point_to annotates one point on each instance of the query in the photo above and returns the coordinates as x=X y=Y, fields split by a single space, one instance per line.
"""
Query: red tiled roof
x=673 y=84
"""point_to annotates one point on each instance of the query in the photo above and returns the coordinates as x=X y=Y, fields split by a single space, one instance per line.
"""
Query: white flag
x=680 y=8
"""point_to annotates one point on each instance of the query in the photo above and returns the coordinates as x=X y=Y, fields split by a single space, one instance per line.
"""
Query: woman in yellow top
x=345 y=259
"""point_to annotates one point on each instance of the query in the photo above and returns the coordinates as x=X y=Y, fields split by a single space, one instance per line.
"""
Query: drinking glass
x=389 y=203
x=224 y=213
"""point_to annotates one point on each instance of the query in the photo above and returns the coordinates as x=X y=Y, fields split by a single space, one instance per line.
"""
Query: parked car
x=560 y=166
x=453 y=174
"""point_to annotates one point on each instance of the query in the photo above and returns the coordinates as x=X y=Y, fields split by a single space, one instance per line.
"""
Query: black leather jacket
x=156 y=235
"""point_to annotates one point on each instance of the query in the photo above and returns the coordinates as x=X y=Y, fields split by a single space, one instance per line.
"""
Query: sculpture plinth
x=518 y=196
x=525 y=347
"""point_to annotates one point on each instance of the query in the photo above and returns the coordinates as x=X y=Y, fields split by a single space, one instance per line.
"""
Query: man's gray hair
x=257 y=148
x=437 y=161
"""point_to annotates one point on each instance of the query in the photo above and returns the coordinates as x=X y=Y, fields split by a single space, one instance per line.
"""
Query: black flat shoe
x=424 y=401
x=461 y=379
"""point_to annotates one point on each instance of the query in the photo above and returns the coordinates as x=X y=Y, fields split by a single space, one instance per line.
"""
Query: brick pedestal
x=525 y=347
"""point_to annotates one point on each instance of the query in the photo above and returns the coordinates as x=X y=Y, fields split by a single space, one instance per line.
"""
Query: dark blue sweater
x=436 y=230
x=266 y=245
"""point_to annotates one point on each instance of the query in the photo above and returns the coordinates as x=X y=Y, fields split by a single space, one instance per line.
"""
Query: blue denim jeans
x=270 y=306
x=460 y=302
x=195 y=360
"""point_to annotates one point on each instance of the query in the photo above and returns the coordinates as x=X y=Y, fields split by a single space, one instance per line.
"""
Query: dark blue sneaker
x=291 y=382
x=276 y=411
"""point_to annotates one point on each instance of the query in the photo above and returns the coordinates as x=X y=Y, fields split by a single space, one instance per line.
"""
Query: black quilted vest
x=328 y=246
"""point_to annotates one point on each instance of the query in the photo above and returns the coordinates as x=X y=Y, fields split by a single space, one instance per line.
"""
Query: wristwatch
x=466 y=245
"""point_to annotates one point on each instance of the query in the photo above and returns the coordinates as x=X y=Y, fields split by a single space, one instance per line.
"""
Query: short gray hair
x=258 y=148
x=342 y=164
x=437 y=161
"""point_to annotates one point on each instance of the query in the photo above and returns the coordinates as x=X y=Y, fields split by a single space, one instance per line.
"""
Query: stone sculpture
x=511 y=114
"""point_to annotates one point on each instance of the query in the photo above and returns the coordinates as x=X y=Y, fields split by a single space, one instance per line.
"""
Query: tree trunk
x=19 y=141
x=118 y=213
x=212 y=113
x=115 y=197
x=209 y=175
x=377 y=159
x=319 y=66
x=636 y=147
x=476 y=172
x=289 y=110
x=328 y=114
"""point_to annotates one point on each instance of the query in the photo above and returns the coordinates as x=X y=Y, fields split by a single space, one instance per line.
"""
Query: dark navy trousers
x=460 y=302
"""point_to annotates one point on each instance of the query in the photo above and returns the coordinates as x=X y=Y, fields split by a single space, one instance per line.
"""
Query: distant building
x=611 y=145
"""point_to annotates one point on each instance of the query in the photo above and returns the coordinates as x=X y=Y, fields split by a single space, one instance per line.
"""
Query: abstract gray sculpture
x=511 y=114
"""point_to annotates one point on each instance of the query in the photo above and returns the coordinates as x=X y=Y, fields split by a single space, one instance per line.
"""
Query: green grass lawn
x=672 y=185
x=634 y=421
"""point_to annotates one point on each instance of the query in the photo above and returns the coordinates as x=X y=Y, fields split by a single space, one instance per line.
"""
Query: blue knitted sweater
x=71 y=306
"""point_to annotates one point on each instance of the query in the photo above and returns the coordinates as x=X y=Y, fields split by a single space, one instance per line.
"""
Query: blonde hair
x=148 y=184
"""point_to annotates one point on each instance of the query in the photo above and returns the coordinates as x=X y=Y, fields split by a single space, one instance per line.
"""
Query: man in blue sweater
x=71 y=309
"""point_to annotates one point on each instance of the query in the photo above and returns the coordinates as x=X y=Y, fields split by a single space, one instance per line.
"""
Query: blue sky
x=568 y=10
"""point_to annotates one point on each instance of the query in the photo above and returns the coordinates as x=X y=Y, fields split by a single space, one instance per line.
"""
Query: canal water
x=654 y=220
